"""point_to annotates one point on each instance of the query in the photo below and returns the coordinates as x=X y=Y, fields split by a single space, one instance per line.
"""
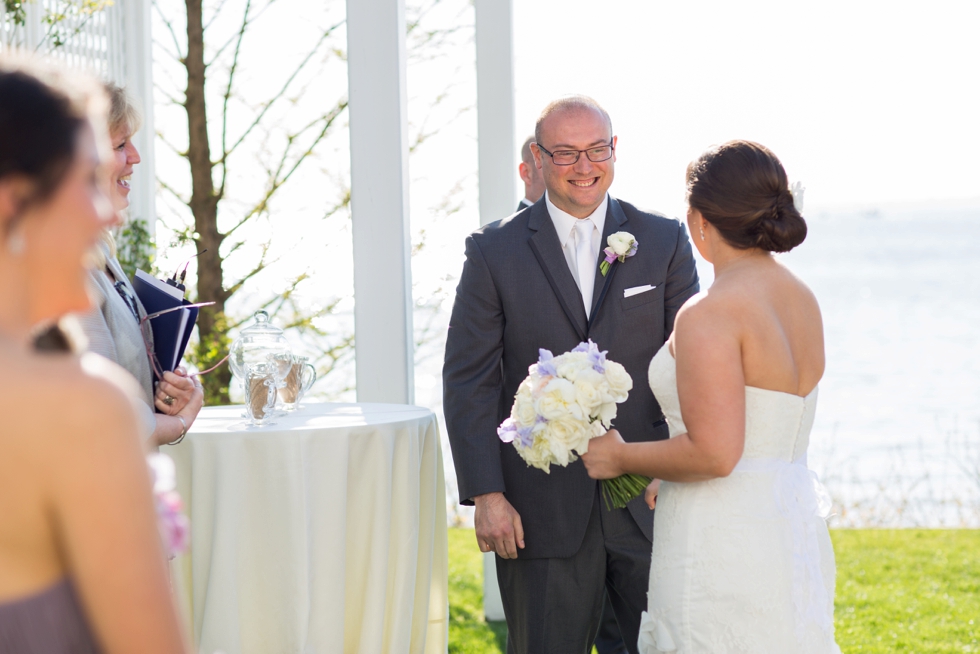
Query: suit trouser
x=553 y=606
x=609 y=640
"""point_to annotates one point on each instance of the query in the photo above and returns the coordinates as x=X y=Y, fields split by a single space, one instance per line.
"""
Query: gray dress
x=48 y=622
x=112 y=330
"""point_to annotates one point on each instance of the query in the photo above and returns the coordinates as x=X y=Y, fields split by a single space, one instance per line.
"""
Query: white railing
x=90 y=39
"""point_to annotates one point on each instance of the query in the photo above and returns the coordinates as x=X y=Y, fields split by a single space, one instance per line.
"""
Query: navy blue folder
x=171 y=331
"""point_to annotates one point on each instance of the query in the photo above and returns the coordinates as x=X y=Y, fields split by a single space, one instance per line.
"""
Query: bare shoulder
x=64 y=400
x=798 y=285
x=709 y=312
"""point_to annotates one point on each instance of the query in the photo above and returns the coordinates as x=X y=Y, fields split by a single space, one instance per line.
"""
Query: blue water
x=898 y=422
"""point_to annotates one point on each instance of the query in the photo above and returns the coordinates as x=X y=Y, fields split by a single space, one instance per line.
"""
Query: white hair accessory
x=797 y=190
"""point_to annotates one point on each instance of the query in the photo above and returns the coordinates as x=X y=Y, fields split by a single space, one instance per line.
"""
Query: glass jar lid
x=256 y=343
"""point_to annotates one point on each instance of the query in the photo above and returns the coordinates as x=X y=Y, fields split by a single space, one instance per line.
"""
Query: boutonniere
x=622 y=245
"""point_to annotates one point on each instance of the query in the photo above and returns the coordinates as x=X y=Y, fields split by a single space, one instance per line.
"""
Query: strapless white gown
x=743 y=563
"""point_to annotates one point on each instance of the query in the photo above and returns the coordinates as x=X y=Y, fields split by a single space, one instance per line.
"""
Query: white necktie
x=585 y=261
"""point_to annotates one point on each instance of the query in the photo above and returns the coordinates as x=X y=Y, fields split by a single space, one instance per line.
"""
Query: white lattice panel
x=91 y=40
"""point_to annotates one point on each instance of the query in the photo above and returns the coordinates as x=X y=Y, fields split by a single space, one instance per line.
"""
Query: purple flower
x=596 y=358
x=546 y=365
x=507 y=430
x=525 y=436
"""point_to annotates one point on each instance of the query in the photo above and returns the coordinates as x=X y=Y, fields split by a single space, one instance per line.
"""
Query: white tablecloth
x=324 y=533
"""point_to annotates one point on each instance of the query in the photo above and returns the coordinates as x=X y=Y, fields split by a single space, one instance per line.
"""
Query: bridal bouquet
x=565 y=401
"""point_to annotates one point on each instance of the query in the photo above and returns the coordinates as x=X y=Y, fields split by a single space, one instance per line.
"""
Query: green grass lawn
x=909 y=590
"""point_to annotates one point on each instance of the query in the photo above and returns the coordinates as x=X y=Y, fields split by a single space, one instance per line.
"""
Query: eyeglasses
x=569 y=157
x=154 y=362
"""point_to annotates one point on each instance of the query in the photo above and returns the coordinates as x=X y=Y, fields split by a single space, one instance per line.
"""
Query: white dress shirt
x=565 y=226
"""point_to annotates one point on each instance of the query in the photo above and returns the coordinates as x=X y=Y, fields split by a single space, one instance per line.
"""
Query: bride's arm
x=711 y=387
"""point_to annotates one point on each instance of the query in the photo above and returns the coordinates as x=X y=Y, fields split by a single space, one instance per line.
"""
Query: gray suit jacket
x=516 y=295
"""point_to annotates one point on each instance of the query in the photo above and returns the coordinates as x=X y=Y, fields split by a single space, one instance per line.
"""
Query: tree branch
x=167 y=95
x=277 y=177
x=278 y=96
x=259 y=267
x=180 y=153
x=170 y=28
x=169 y=189
x=227 y=96
x=221 y=50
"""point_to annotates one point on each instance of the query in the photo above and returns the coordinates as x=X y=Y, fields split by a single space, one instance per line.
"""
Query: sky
x=866 y=102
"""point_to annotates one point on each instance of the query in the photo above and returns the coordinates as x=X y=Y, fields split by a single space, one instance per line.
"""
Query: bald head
x=569 y=104
x=530 y=174
x=526 y=155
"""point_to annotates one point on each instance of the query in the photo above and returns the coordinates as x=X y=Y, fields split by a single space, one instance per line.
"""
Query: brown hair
x=740 y=187
x=566 y=103
x=42 y=110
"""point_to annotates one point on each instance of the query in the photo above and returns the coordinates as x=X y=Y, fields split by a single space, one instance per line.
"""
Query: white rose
x=571 y=364
x=551 y=406
x=607 y=413
x=587 y=395
x=524 y=411
x=563 y=436
x=621 y=242
x=591 y=376
x=563 y=387
x=618 y=379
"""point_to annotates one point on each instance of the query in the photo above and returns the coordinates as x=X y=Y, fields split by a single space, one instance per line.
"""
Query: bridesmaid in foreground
x=82 y=567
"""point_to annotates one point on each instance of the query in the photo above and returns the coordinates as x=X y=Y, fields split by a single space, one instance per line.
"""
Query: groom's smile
x=576 y=188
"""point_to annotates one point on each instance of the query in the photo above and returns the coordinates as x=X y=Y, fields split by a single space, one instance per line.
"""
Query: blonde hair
x=124 y=115
x=123 y=112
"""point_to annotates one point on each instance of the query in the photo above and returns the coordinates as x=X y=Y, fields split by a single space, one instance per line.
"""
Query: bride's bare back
x=757 y=326
x=771 y=315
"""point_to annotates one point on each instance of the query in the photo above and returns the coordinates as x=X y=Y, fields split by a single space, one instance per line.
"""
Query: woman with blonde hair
x=114 y=329
x=82 y=567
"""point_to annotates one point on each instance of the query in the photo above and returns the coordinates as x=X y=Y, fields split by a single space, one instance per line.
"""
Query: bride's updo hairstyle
x=740 y=187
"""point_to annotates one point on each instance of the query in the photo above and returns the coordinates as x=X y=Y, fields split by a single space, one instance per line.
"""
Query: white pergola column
x=498 y=164
x=495 y=109
x=379 y=200
x=138 y=61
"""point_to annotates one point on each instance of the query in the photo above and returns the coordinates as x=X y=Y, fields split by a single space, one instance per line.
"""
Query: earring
x=702 y=231
x=16 y=244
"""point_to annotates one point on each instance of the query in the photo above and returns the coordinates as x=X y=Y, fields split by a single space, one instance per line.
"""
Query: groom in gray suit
x=532 y=281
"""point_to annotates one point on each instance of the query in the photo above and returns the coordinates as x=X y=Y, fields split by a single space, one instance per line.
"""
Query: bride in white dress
x=742 y=560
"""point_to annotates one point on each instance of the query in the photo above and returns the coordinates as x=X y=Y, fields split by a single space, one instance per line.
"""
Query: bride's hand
x=602 y=460
x=650 y=495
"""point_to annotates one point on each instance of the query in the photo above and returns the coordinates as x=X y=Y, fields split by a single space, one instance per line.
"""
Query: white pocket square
x=636 y=290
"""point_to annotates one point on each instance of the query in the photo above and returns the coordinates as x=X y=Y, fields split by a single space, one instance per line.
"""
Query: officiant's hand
x=498 y=525
x=602 y=459
x=178 y=387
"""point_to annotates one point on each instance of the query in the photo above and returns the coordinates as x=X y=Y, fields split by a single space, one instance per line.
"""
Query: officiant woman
x=82 y=567
x=113 y=329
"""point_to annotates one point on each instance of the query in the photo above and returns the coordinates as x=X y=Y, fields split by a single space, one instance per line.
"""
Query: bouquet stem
x=616 y=493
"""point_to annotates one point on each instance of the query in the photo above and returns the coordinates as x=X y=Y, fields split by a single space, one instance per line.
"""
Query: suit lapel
x=546 y=247
x=615 y=219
